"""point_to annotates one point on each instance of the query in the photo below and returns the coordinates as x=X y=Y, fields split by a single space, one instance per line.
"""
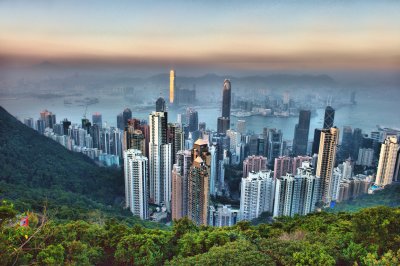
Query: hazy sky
x=237 y=34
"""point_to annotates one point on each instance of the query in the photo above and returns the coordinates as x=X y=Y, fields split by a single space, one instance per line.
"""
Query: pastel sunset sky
x=238 y=34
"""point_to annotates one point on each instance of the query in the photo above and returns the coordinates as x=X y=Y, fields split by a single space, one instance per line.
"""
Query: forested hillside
x=368 y=237
x=37 y=172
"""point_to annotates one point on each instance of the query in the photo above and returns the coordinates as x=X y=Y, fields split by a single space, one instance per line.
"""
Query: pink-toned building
x=254 y=164
x=286 y=164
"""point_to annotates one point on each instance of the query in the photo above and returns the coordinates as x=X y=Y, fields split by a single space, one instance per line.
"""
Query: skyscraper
x=160 y=105
x=49 y=118
x=126 y=115
x=257 y=194
x=301 y=131
x=198 y=192
x=317 y=138
x=329 y=117
x=134 y=139
x=387 y=161
x=171 y=86
x=326 y=160
x=176 y=138
x=226 y=99
x=346 y=146
x=241 y=126
x=297 y=194
x=120 y=121
x=159 y=159
x=29 y=122
x=66 y=125
x=275 y=144
x=192 y=119
x=223 y=124
x=180 y=184
x=136 y=186
x=97 y=119
x=225 y=120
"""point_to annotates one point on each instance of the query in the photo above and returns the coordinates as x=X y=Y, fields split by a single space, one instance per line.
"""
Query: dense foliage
x=37 y=172
x=368 y=237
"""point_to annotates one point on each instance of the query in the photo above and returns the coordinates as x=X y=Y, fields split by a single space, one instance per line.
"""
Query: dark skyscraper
x=346 y=146
x=126 y=114
x=97 y=119
x=224 y=121
x=192 y=119
x=328 y=123
x=226 y=99
x=357 y=143
x=329 y=117
x=120 y=121
x=66 y=125
x=301 y=133
x=160 y=105
x=223 y=124
x=317 y=138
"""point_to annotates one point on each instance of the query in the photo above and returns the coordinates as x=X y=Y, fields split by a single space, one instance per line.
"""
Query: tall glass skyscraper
x=301 y=133
x=224 y=121
x=226 y=99
x=329 y=117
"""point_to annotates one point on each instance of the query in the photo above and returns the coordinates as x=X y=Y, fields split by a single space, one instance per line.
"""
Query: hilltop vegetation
x=368 y=237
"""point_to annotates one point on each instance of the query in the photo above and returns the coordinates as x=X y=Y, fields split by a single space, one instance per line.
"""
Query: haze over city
x=199 y=132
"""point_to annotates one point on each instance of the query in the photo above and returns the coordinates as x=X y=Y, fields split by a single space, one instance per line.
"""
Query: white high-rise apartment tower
x=159 y=160
x=257 y=194
x=136 y=188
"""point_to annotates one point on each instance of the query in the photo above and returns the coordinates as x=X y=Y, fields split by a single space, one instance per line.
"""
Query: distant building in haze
x=171 y=86
x=192 y=119
x=241 y=126
x=97 y=119
x=160 y=105
x=329 y=117
x=126 y=115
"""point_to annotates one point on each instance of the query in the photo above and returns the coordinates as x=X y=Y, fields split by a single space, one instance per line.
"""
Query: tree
x=51 y=255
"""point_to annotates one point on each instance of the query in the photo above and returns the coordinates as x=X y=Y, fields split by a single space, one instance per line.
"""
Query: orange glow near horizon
x=329 y=37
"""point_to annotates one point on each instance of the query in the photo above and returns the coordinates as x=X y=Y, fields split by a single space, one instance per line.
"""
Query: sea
x=373 y=108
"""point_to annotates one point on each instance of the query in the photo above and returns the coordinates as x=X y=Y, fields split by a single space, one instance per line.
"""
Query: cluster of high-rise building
x=92 y=139
x=181 y=166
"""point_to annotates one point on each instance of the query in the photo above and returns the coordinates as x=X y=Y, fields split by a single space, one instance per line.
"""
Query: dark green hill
x=36 y=171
